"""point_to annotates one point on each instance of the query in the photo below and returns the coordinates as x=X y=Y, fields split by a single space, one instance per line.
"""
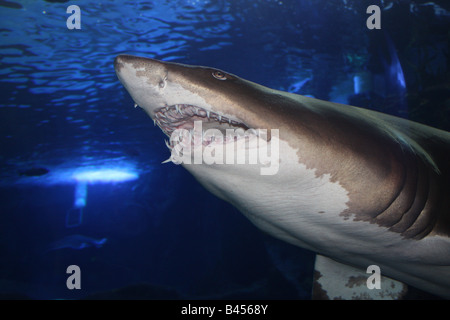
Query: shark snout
x=123 y=59
x=138 y=70
x=125 y=68
x=144 y=79
x=124 y=64
x=147 y=66
x=118 y=61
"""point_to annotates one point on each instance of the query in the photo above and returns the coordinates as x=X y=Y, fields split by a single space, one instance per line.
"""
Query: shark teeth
x=167 y=161
x=169 y=118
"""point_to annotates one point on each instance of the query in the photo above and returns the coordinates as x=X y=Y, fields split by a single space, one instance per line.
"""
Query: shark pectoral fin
x=337 y=281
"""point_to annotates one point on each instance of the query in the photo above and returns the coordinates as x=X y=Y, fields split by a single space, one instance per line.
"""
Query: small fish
x=11 y=5
x=34 y=172
x=298 y=85
x=76 y=241
x=57 y=1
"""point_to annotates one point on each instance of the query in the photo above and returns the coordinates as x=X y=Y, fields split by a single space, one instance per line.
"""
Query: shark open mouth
x=183 y=116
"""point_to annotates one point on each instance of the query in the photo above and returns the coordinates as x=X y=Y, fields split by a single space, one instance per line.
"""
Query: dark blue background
x=62 y=108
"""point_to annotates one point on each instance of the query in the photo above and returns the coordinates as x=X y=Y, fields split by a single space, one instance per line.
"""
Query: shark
x=357 y=187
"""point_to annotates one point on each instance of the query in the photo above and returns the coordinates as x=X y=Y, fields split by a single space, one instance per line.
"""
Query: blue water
x=63 y=112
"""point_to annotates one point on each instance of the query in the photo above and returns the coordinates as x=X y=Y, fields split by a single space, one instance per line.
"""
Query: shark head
x=180 y=98
x=181 y=94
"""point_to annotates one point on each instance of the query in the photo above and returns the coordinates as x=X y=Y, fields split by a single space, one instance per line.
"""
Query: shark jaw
x=198 y=136
x=183 y=116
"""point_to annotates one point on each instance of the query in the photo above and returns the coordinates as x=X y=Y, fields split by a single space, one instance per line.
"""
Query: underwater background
x=81 y=179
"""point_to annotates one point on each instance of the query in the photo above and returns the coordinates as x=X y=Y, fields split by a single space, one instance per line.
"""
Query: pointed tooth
x=167 y=144
x=154 y=122
x=136 y=105
x=208 y=113
x=220 y=117
x=168 y=160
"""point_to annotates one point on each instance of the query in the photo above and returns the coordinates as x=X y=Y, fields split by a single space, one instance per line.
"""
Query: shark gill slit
x=404 y=198
x=420 y=197
x=427 y=218
x=412 y=212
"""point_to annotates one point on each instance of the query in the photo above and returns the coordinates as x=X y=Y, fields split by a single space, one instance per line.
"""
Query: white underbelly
x=301 y=208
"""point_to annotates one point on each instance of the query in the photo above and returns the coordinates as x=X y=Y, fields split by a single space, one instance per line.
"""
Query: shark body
x=355 y=186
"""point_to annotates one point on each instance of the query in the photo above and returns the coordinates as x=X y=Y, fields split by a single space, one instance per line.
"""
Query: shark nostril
x=162 y=84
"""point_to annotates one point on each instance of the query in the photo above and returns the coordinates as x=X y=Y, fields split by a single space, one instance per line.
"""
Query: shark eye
x=219 y=75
